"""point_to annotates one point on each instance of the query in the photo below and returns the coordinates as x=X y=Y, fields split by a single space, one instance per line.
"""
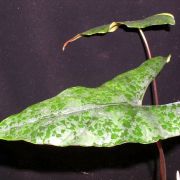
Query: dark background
x=33 y=68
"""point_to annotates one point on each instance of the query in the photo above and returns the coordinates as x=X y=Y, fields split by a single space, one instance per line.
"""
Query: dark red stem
x=162 y=162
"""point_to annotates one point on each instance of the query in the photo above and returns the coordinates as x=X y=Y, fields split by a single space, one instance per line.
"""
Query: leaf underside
x=157 y=19
x=106 y=116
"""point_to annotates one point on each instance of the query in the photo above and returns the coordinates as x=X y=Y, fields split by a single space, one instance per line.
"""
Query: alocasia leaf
x=157 y=19
x=108 y=115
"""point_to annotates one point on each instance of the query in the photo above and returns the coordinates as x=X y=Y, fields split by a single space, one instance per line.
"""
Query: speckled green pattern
x=157 y=19
x=97 y=125
x=105 y=116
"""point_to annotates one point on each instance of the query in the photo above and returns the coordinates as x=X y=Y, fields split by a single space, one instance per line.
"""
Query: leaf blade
x=69 y=118
x=105 y=126
x=154 y=20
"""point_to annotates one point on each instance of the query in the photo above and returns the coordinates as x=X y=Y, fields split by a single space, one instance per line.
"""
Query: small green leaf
x=105 y=116
x=157 y=19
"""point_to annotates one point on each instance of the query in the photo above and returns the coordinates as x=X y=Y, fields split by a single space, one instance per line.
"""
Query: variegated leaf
x=105 y=116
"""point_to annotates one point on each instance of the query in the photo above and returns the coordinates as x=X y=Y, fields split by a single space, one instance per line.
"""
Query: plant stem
x=162 y=162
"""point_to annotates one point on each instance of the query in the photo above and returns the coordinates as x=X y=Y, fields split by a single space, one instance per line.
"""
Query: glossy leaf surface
x=157 y=19
x=105 y=116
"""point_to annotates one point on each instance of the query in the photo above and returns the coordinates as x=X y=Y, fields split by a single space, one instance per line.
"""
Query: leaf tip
x=171 y=16
x=168 y=58
x=70 y=40
x=177 y=175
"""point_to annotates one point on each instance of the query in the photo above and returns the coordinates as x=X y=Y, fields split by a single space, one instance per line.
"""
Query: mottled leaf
x=102 y=125
x=108 y=115
x=157 y=19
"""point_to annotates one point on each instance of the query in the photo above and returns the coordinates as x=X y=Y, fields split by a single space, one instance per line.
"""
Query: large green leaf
x=105 y=116
x=157 y=19
x=95 y=125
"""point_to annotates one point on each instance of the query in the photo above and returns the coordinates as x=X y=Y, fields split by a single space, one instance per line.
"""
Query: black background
x=33 y=68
